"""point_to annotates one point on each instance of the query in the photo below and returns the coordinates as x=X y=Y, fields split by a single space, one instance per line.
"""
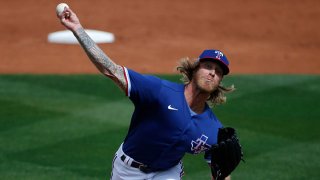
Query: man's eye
x=219 y=72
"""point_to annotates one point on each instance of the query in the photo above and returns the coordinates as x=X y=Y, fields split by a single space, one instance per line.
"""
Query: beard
x=206 y=85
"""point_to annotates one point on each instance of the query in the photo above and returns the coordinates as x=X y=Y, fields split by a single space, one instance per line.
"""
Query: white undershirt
x=192 y=112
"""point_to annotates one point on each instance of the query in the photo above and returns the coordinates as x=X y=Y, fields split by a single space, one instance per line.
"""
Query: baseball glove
x=226 y=154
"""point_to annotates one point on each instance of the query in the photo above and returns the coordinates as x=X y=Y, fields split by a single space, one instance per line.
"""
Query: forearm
x=103 y=63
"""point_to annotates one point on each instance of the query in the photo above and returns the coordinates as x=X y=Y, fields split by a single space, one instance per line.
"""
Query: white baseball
x=60 y=8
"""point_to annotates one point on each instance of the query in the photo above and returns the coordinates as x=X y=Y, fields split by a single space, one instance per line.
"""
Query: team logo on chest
x=200 y=145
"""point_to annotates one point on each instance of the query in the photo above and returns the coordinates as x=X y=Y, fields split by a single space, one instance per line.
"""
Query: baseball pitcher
x=169 y=119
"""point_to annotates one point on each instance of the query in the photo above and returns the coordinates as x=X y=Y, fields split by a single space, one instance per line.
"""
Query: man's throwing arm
x=103 y=63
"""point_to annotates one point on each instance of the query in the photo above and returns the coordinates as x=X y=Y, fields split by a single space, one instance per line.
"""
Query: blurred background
x=258 y=36
x=60 y=119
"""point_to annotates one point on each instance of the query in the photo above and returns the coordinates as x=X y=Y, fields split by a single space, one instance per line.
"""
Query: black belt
x=135 y=164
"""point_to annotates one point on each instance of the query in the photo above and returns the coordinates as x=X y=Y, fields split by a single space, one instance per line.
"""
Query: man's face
x=208 y=76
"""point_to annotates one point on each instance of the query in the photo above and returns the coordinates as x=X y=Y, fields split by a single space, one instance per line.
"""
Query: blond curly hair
x=187 y=67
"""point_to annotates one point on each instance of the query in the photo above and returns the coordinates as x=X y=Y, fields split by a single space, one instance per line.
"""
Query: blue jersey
x=162 y=128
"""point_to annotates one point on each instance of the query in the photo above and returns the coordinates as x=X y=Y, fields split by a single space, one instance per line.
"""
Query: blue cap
x=217 y=56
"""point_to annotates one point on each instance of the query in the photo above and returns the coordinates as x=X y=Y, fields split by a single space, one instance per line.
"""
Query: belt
x=138 y=165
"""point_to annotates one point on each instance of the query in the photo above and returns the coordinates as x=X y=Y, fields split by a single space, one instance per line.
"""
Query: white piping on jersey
x=191 y=111
x=128 y=81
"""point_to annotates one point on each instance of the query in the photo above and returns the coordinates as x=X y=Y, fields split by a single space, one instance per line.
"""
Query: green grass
x=69 y=126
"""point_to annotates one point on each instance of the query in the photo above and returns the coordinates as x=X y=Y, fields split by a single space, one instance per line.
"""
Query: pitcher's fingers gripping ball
x=61 y=8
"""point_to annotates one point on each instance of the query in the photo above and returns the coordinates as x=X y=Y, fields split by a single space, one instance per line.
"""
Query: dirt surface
x=258 y=36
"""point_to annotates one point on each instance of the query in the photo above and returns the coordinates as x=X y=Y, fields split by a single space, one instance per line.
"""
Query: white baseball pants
x=121 y=170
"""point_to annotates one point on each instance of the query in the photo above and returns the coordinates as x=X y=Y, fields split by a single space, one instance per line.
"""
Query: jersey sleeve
x=141 y=89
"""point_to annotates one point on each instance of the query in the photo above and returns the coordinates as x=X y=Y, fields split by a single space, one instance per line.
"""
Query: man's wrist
x=76 y=28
